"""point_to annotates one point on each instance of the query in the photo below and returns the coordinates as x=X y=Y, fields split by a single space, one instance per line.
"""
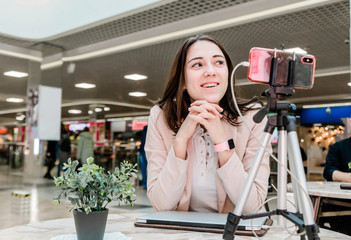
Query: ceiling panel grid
x=158 y=16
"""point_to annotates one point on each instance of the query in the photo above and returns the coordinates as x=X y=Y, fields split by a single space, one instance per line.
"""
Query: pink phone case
x=260 y=66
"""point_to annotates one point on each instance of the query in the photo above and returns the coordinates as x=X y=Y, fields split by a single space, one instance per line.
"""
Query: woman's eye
x=196 y=65
x=220 y=62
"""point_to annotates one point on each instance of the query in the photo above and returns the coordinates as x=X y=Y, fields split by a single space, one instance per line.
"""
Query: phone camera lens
x=308 y=60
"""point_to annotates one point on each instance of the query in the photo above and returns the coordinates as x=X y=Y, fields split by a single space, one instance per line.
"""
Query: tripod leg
x=296 y=160
x=296 y=198
x=234 y=218
x=282 y=177
x=295 y=186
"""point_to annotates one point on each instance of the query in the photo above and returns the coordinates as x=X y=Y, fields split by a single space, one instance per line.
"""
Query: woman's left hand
x=210 y=117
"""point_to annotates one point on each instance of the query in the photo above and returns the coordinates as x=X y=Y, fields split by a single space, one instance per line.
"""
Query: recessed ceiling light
x=85 y=85
x=16 y=100
x=20 y=118
x=98 y=109
x=71 y=67
x=90 y=111
x=137 y=94
x=16 y=74
x=74 y=111
x=106 y=109
x=135 y=77
x=296 y=50
x=349 y=83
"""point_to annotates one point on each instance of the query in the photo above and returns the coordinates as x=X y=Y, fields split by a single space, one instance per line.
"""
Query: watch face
x=231 y=143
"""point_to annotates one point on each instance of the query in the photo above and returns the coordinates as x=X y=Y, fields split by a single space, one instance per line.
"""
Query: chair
x=314 y=166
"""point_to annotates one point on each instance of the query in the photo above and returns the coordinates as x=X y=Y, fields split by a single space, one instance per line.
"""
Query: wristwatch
x=224 y=146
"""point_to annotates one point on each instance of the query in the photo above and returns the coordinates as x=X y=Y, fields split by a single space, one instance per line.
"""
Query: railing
x=110 y=156
x=106 y=155
x=12 y=154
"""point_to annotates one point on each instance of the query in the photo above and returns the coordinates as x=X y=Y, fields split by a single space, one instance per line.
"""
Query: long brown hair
x=176 y=101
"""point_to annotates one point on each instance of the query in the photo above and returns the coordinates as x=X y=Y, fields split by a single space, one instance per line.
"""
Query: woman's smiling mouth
x=209 y=85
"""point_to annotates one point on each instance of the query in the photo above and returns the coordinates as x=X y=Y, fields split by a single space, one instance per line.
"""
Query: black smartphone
x=345 y=186
x=302 y=68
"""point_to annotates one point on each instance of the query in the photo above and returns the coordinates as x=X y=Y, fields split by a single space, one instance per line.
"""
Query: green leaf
x=90 y=160
x=92 y=188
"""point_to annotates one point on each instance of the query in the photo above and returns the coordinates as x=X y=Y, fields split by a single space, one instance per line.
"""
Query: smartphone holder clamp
x=288 y=145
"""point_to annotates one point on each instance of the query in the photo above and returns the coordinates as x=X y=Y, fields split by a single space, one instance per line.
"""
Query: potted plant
x=90 y=190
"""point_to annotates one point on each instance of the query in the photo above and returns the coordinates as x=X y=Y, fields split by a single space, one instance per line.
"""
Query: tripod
x=287 y=145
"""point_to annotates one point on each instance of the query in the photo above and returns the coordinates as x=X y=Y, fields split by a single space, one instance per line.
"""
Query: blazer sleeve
x=234 y=173
x=332 y=163
x=166 y=173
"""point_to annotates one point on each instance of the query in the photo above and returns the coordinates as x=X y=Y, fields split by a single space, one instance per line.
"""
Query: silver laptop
x=198 y=219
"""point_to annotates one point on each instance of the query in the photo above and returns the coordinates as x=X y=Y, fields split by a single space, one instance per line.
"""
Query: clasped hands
x=207 y=114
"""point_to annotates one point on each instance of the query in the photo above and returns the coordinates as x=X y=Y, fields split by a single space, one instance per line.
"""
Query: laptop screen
x=198 y=219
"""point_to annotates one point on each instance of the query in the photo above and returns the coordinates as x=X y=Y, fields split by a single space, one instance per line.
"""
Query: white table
x=125 y=223
x=323 y=191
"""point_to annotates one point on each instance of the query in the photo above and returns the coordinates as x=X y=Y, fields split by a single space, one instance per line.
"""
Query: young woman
x=198 y=150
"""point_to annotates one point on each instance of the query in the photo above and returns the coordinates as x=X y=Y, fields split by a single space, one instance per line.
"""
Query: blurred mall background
x=103 y=64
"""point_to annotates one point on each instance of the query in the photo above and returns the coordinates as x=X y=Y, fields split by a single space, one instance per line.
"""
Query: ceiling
x=146 y=41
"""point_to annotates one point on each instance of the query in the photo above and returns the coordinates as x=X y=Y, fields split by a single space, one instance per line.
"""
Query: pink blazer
x=169 y=178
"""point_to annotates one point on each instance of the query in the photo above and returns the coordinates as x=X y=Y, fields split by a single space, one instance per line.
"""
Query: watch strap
x=224 y=146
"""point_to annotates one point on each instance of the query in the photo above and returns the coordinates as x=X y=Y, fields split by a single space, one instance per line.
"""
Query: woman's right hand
x=189 y=126
x=185 y=132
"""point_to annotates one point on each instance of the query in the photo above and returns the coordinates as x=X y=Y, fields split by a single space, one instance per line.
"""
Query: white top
x=204 y=190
